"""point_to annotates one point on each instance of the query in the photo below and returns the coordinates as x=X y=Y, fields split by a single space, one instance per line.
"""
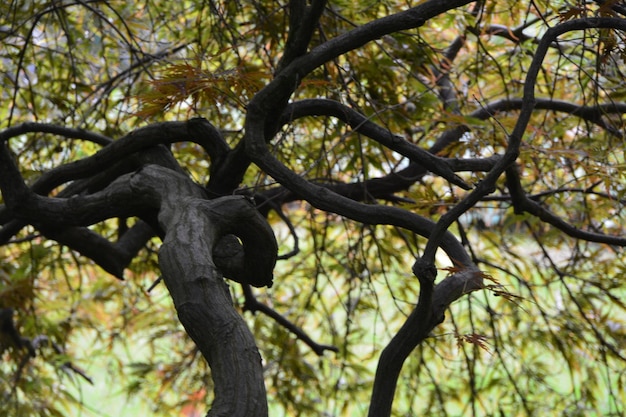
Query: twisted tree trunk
x=193 y=228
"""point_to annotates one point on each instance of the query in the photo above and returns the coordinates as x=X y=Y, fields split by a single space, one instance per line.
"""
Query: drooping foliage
x=362 y=131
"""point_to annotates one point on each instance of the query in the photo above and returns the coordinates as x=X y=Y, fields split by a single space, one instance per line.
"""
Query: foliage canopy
x=444 y=181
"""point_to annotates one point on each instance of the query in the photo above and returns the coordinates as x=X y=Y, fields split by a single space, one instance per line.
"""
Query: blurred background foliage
x=547 y=338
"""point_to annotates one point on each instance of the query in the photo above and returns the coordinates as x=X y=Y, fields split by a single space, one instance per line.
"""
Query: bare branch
x=429 y=312
x=253 y=305
x=324 y=107
x=66 y=132
x=303 y=20
x=195 y=130
x=592 y=114
x=522 y=203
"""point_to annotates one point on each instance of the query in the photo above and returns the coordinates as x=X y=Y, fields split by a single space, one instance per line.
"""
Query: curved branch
x=591 y=114
x=358 y=122
x=327 y=200
x=429 y=312
x=522 y=203
x=253 y=305
x=537 y=196
x=197 y=130
x=113 y=257
x=385 y=187
x=271 y=100
x=66 y=132
x=487 y=185
x=359 y=36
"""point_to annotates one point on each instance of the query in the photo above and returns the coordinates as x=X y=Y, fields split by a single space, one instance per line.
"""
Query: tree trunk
x=193 y=227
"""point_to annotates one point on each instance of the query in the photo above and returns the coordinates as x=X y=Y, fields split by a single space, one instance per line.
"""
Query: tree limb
x=253 y=305
x=325 y=107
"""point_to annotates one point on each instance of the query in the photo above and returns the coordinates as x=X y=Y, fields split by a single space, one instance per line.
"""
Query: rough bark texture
x=193 y=227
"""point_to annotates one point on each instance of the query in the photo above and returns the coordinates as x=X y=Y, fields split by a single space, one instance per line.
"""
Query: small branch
x=253 y=305
x=358 y=122
x=522 y=203
x=429 y=312
x=10 y=337
x=264 y=205
x=66 y=132
x=539 y=195
x=591 y=114
x=515 y=35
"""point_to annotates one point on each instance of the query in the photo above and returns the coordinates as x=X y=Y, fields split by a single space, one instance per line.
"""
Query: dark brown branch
x=360 y=124
x=591 y=114
x=264 y=205
x=9 y=335
x=264 y=105
x=429 y=312
x=113 y=257
x=12 y=185
x=412 y=332
x=327 y=200
x=10 y=338
x=522 y=203
x=66 y=132
x=359 y=36
x=382 y=188
x=253 y=305
x=303 y=20
x=195 y=130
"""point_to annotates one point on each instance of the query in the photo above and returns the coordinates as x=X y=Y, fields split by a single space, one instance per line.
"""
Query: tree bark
x=193 y=227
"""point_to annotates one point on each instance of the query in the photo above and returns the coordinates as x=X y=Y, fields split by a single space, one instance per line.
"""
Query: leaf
x=474 y=339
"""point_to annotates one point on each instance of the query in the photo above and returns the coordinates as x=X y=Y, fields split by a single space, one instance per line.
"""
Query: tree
x=318 y=149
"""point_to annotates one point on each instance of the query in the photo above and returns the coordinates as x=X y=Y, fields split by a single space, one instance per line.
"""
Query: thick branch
x=66 y=132
x=303 y=20
x=429 y=312
x=195 y=130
